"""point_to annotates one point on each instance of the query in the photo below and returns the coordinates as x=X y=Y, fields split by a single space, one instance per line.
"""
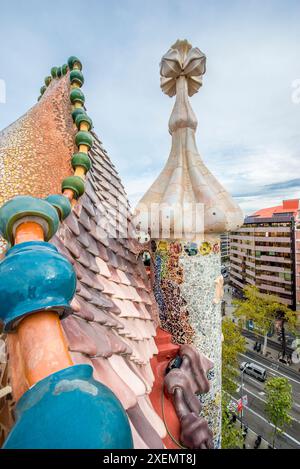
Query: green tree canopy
x=263 y=310
x=232 y=437
x=278 y=403
x=233 y=344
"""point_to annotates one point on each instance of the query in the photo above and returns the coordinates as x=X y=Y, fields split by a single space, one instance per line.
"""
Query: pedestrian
x=257 y=442
x=258 y=346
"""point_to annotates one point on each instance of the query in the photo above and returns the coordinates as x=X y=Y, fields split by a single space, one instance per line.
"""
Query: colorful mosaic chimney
x=185 y=211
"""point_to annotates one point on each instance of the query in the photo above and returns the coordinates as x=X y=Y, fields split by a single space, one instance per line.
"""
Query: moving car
x=254 y=370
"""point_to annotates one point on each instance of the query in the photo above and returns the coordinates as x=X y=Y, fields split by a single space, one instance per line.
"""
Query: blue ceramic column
x=68 y=408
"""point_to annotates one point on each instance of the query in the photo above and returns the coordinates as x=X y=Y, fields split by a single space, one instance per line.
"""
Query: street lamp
x=241 y=392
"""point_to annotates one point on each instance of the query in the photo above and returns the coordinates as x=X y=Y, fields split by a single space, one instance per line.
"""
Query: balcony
x=250 y=280
x=251 y=273
x=240 y=236
x=274 y=288
x=273 y=249
x=270 y=268
x=236 y=274
x=238 y=251
x=242 y=246
x=263 y=229
x=272 y=239
x=273 y=278
x=236 y=260
x=236 y=267
x=236 y=282
x=278 y=259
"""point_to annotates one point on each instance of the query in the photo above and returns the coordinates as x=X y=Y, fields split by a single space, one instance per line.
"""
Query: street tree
x=232 y=436
x=233 y=344
x=278 y=404
x=263 y=309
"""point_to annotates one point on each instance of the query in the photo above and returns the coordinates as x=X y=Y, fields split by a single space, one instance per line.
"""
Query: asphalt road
x=254 y=413
x=272 y=343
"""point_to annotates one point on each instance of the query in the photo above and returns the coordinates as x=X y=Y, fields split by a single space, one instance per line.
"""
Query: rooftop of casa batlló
x=82 y=327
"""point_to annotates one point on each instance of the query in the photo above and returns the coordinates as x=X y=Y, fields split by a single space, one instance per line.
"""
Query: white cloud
x=248 y=131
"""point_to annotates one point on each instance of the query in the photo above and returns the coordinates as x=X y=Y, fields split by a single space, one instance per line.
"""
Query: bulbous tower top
x=185 y=201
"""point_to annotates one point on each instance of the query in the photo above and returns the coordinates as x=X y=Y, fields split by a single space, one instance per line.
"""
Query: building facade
x=297 y=260
x=263 y=252
x=224 y=245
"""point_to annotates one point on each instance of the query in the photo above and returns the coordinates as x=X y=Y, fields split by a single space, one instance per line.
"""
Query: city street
x=254 y=415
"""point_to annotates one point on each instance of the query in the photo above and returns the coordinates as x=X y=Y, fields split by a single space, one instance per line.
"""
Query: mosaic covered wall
x=188 y=290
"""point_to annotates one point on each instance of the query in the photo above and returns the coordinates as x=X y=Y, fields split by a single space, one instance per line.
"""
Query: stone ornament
x=182 y=60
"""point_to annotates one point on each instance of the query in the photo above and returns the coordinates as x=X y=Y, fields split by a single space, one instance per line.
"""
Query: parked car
x=289 y=339
x=237 y=294
x=224 y=272
x=254 y=370
x=257 y=347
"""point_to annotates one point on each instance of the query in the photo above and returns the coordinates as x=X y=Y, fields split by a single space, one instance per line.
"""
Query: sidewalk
x=250 y=439
x=273 y=348
x=272 y=355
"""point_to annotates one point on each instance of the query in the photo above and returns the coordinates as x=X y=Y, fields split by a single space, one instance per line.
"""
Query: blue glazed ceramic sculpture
x=70 y=410
x=34 y=276
x=23 y=206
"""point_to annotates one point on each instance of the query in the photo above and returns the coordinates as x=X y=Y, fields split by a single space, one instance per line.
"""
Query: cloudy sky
x=249 y=127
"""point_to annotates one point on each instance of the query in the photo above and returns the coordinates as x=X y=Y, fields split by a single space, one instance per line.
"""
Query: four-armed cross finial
x=182 y=60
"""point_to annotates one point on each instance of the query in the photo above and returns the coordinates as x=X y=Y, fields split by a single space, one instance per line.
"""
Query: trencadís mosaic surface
x=185 y=277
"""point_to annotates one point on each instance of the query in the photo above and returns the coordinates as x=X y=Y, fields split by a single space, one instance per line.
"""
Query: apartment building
x=265 y=252
x=224 y=240
x=297 y=260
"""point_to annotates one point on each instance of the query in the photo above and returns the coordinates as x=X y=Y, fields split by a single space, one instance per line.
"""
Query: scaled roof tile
x=113 y=321
x=144 y=427
x=108 y=376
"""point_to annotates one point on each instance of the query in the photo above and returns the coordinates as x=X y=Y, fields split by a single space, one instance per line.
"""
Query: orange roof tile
x=288 y=206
